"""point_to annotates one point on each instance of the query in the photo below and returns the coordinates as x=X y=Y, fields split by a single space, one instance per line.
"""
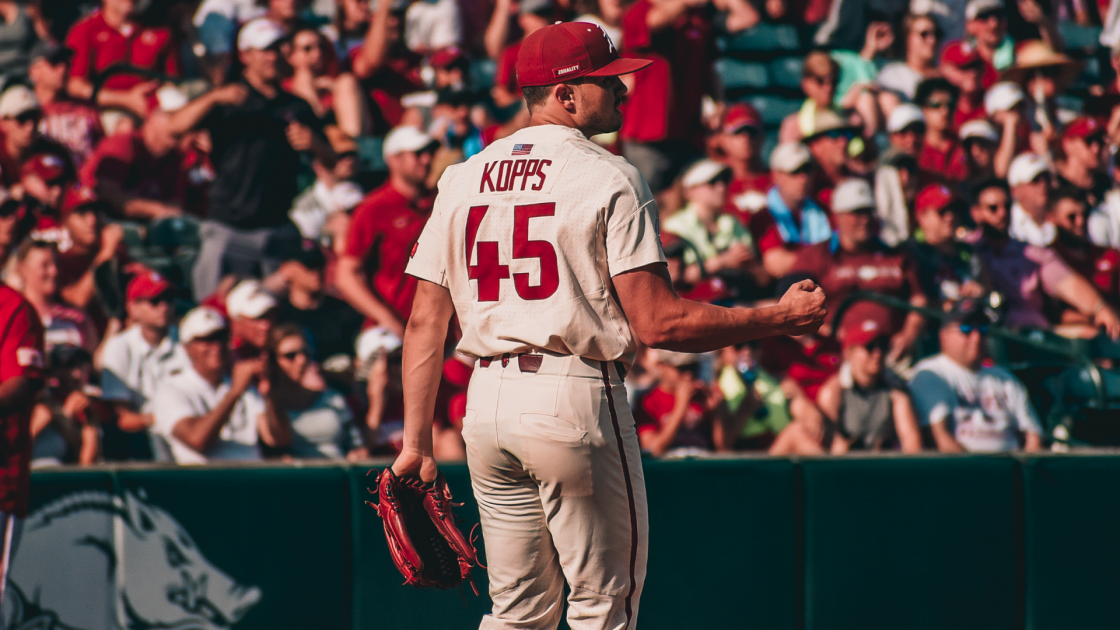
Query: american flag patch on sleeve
x=522 y=149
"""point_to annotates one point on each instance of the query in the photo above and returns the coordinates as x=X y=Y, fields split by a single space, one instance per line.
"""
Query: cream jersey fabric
x=527 y=236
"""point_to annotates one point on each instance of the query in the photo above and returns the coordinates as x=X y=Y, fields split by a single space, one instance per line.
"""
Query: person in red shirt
x=385 y=227
x=1068 y=212
x=962 y=66
x=21 y=378
x=532 y=15
x=20 y=114
x=72 y=123
x=741 y=141
x=386 y=67
x=682 y=414
x=792 y=220
x=1083 y=163
x=986 y=26
x=856 y=260
x=89 y=245
x=942 y=154
x=110 y=37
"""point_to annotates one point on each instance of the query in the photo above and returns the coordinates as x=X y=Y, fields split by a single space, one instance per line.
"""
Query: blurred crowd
x=210 y=204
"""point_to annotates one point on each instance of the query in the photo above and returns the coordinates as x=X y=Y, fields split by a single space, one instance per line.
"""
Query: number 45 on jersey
x=489 y=270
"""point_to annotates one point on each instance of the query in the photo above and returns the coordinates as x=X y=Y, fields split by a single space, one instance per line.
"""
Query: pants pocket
x=553 y=427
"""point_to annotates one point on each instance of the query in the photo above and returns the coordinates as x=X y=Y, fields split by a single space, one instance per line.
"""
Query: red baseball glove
x=426 y=544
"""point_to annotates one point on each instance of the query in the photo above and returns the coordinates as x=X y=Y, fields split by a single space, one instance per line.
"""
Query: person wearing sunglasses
x=681 y=415
x=828 y=144
x=792 y=220
x=919 y=42
x=819 y=77
x=1026 y=274
x=1030 y=180
x=1083 y=162
x=743 y=133
x=1068 y=212
x=947 y=268
x=136 y=362
x=986 y=28
x=942 y=152
x=966 y=405
x=20 y=114
x=964 y=68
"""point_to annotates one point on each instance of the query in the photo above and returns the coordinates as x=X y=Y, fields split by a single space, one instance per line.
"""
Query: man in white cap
x=208 y=411
x=718 y=243
x=856 y=260
x=906 y=129
x=792 y=220
x=983 y=150
x=20 y=139
x=385 y=226
x=1029 y=179
x=986 y=29
x=258 y=131
x=73 y=123
x=252 y=311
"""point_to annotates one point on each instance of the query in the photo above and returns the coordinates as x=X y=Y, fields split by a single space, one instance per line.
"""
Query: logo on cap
x=565 y=70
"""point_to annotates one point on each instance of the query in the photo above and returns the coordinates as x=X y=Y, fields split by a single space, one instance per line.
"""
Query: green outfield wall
x=964 y=542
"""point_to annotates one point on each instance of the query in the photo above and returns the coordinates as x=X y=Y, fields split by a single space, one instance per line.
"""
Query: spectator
x=65 y=424
x=855 y=88
x=1043 y=74
x=378 y=363
x=718 y=243
x=113 y=36
x=792 y=220
x=258 y=132
x=1024 y=274
x=217 y=22
x=1006 y=106
x=1103 y=224
x=962 y=66
x=1029 y=179
x=1037 y=19
x=983 y=152
x=828 y=144
x=252 y=313
x=36 y=276
x=136 y=363
x=967 y=405
x=942 y=154
x=1067 y=212
x=140 y=174
x=320 y=209
x=370 y=276
x=20 y=39
x=986 y=26
x=72 y=123
x=387 y=70
x=920 y=40
x=682 y=415
x=330 y=323
x=430 y=26
x=44 y=177
x=89 y=246
x=947 y=268
x=532 y=16
x=312 y=79
x=20 y=114
x=819 y=76
x=907 y=129
x=1083 y=162
x=351 y=22
x=452 y=69
x=857 y=261
x=743 y=133
x=208 y=411
x=11 y=221
x=322 y=425
x=897 y=182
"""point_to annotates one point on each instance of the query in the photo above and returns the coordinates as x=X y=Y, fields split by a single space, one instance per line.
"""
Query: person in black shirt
x=947 y=267
x=258 y=132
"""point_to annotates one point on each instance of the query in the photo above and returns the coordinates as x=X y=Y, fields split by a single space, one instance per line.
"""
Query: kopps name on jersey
x=518 y=175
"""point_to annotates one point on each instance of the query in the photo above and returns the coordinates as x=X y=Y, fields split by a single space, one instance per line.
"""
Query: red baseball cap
x=48 y=166
x=864 y=323
x=741 y=115
x=445 y=57
x=76 y=198
x=560 y=52
x=933 y=197
x=1083 y=127
x=147 y=285
x=960 y=54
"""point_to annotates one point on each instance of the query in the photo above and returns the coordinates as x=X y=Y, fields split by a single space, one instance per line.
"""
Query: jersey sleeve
x=632 y=234
x=21 y=349
x=428 y=259
x=933 y=398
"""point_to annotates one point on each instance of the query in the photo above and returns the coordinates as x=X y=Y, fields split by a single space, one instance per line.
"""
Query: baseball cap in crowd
x=703 y=172
x=741 y=116
x=249 y=299
x=979 y=130
x=344 y=197
x=789 y=157
x=406 y=138
x=863 y=331
x=80 y=197
x=53 y=54
x=852 y=195
x=1025 y=167
x=49 y=167
x=679 y=359
x=933 y=197
x=18 y=100
x=560 y=52
x=1083 y=127
x=374 y=341
x=960 y=54
x=827 y=121
x=147 y=285
x=448 y=57
x=979 y=7
x=200 y=322
x=1002 y=97
x=260 y=34
x=903 y=116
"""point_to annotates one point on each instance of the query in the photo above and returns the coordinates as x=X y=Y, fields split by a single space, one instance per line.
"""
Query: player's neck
x=546 y=116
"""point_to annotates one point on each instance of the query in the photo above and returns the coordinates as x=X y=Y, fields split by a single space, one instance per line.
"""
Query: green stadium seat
x=1077 y=36
x=774 y=108
x=134 y=236
x=762 y=38
x=786 y=72
x=737 y=75
x=370 y=157
x=482 y=74
x=171 y=234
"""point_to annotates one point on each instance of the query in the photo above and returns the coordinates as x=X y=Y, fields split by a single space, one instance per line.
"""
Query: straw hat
x=1035 y=55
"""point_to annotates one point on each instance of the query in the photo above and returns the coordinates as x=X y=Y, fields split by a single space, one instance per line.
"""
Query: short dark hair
x=991 y=182
x=535 y=95
x=1065 y=192
x=928 y=87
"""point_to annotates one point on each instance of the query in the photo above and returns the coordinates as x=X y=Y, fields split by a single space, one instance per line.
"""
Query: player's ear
x=565 y=94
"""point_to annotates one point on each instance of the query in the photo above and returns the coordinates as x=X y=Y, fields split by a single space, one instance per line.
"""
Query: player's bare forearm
x=663 y=319
x=422 y=363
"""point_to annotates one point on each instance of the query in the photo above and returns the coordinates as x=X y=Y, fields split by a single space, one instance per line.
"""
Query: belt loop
x=485 y=362
x=505 y=359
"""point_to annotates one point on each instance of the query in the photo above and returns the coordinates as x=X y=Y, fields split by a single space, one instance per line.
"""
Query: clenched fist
x=804 y=306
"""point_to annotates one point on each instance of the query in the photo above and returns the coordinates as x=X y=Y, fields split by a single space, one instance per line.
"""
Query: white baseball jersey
x=526 y=236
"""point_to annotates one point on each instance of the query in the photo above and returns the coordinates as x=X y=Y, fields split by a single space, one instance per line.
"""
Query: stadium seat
x=763 y=37
x=1077 y=36
x=786 y=72
x=133 y=237
x=370 y=157
x=736 y=75
x=482 y=74
x=774 y=108
x=171 y=234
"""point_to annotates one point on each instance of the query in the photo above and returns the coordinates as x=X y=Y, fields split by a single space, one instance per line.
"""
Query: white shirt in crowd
x=432 y=24
x=986 y=409
x=1103 y=223
x=187 y=395
x=133 y=369
x=325 y=429
x=1023 y=228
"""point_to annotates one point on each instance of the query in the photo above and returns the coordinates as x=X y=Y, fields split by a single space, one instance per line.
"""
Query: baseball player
x=546 y=247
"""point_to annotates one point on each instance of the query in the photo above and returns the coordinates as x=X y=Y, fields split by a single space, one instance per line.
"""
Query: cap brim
x=620 y=67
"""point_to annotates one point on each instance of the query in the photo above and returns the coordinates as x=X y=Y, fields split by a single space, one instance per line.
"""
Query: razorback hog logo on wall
x=144 y=569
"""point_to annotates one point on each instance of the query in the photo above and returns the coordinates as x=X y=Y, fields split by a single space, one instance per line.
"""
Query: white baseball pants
x=556 y=468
